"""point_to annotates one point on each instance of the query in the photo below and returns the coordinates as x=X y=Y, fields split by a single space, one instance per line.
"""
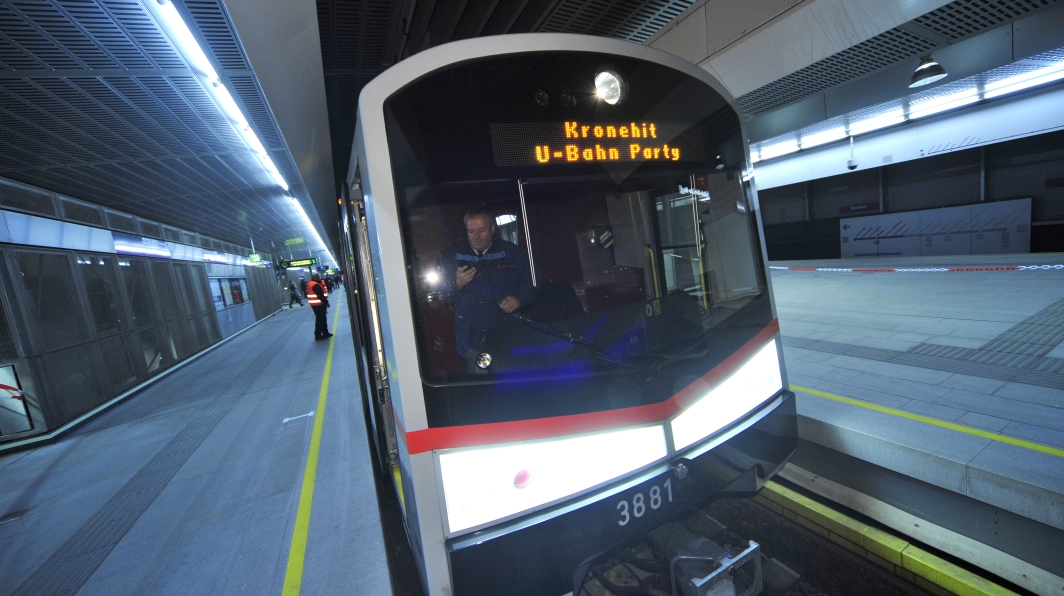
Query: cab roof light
x=173 y=26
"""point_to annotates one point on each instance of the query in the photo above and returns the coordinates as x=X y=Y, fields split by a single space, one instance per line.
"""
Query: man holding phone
x=487 y=279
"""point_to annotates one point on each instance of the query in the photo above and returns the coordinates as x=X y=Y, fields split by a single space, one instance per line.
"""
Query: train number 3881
x=658 y=496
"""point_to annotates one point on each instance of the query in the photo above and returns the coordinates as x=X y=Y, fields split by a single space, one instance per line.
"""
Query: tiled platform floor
x=983 y=349
x=192 y=486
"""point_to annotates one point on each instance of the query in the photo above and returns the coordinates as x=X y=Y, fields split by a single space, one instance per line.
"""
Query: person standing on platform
x=318 y=299
x=293 y=295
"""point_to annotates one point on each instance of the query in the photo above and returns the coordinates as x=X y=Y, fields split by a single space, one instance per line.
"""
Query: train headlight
x=755 y=381
x=486 y=484
x=610 y=87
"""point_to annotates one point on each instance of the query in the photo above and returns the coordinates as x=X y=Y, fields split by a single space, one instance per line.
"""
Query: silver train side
x=649 y=381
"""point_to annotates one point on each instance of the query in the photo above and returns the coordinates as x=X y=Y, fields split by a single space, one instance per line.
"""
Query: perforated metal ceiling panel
x=633 y=20
x=353 y=38
x=95 y=104
x=965 y=18
x=950 y=23
x=360 y=38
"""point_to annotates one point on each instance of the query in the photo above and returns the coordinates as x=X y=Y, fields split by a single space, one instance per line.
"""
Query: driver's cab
x=621 y=273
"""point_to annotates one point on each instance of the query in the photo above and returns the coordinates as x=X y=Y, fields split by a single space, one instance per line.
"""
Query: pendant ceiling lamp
x=928 y=72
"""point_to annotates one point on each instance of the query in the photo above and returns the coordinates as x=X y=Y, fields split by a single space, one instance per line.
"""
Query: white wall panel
x=1000 y=228
x=898 y=234
x=751 y=44
x=992 y=122
x=946 y=231
x=987 y=228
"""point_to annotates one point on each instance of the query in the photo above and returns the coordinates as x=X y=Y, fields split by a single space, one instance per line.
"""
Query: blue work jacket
x=502 y=271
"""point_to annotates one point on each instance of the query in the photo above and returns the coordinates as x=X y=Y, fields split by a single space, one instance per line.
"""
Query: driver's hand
x=464 y=276
x=510 y=304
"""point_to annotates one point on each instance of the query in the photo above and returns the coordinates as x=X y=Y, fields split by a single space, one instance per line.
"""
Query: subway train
x=565 y=331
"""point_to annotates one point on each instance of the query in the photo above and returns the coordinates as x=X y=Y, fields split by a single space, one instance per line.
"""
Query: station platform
x=936 y=386
x=198 y=484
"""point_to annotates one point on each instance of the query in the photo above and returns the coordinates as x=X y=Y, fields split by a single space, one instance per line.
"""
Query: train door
x=372 y=348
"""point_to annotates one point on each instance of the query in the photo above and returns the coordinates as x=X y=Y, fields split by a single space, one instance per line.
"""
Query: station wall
x=83 y=321
x=802 y=219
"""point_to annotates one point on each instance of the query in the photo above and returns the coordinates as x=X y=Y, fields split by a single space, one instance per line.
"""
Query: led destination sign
x=588 y=142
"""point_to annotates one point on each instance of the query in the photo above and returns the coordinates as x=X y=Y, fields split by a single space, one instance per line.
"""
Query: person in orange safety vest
x=318 y=299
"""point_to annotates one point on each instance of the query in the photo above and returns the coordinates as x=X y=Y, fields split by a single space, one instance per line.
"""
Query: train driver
x=487 y=279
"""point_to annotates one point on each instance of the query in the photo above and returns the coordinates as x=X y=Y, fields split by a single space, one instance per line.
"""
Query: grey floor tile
x=887 y=344
x=956 y=341
x=985 y=330
x=899 y=387
x=934 y=410
x=889 y=369
x=983 y=421
x=1006 y=408
x=1046 y=396
x=932 y=454
x=1036 y=434
x=974 y=384
x=809 y=369
x=800 y=379
x=869 y=395
x=909 y=336
x=223 y=523
x=840 y=375
x=1020 y=480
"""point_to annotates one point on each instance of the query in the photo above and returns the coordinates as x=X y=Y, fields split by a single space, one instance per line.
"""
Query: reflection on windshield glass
x=566 y=255
x=625 y=279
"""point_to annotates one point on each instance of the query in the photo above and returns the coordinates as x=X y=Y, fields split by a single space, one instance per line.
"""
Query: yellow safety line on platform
x=293 y=576
x=941 y=423
x=891 y=552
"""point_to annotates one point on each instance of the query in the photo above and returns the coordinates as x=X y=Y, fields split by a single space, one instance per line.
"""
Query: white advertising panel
x=898 y=234
x=980 y=229
x=1002 y=228
x=946 y=231
x=858 y=236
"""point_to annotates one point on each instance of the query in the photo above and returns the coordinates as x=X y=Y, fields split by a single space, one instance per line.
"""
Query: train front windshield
x=572 y=248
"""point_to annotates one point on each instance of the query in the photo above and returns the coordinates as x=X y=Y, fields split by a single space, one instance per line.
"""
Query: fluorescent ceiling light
x=303 y=214
x=778 y=149
x=755 y=156
x=895 y=116
x=941 y=104
x=486 y=484
x=1025 y=81
x=756 y=381
x=822 y=138
x=174 y=27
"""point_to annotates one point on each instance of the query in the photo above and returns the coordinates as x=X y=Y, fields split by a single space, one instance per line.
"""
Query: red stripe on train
x=448 y=437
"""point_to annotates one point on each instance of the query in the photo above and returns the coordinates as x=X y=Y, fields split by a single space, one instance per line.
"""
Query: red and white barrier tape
x=918 y=269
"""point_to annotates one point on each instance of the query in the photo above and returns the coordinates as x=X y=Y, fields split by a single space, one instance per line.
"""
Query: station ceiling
x=96 y=104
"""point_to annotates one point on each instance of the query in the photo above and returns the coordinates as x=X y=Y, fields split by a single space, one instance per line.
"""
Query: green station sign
x=254 y=257
x=303 y=263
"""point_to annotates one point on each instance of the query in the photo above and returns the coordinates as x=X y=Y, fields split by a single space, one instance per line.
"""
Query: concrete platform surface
x=980 y=350
x=192 y=486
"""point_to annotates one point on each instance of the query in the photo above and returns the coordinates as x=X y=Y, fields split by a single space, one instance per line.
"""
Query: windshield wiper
x=584 y=342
